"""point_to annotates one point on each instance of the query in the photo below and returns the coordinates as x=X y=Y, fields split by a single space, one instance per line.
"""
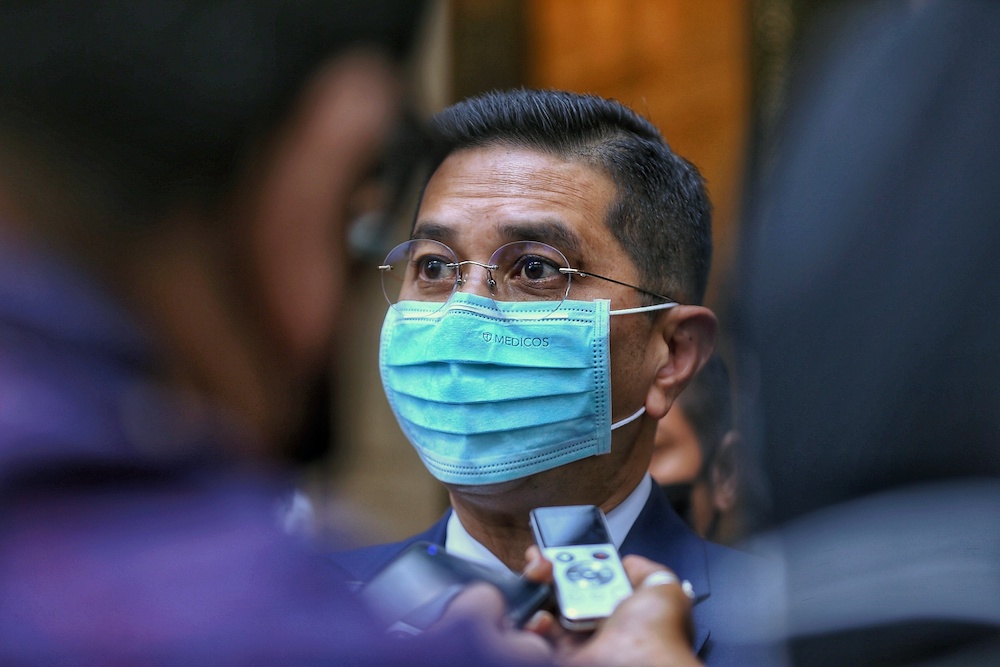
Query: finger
x=668 y=578
x=545 y=624
x=644 y=573
x=541 y=623
x=638 y=568
x=537 y=569
x=660 y=588
x=478 y=601
x=481 y=608
x=661 y=595
x=652 y=626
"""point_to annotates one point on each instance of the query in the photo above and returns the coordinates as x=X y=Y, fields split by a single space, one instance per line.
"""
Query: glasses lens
x=419 y=270
x=529 y=271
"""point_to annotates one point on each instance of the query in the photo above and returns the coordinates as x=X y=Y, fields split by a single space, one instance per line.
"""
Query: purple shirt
x=126 y=536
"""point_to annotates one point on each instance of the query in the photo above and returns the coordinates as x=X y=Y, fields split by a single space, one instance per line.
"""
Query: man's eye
x=536 y=268
x=432 y=268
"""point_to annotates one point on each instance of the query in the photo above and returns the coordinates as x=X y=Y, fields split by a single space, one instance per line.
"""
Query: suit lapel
x=660 y=535
x=363 y=563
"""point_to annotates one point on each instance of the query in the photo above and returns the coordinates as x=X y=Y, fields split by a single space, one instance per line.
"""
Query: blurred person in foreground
x=542 y=319
x=872 y=305
x=175 y=179
x=695 y=458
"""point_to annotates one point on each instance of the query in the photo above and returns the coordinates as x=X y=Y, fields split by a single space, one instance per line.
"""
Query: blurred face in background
x=705 y=493
x=677 y=467
x=248 y=295
x=308 y=192
x=677 y=453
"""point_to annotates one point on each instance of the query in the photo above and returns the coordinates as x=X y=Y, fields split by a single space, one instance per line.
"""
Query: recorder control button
x=564 y=557
x=601 y=555
x=590 y=573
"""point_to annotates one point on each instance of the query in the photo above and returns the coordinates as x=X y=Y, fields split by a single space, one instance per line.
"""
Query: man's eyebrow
x=434 y=231
x=551 y=231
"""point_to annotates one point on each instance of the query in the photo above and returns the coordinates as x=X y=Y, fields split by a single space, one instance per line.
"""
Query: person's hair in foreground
x=144 y=105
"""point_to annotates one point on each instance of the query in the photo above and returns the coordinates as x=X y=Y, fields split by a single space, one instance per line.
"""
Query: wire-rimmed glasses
x=429 y=271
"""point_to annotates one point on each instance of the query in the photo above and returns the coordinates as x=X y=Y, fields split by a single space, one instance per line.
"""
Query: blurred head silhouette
x=201 y=159
x=869 y=362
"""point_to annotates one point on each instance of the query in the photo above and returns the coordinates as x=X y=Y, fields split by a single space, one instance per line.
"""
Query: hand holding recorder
x=641 y=611
x=650 y=628
x=586 y=569
x=650 y=624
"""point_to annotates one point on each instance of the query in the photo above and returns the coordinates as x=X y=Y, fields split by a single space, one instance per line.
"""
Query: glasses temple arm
x=582 y=274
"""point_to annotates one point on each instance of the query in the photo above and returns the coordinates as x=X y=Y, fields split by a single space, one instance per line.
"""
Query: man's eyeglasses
x=429 y=271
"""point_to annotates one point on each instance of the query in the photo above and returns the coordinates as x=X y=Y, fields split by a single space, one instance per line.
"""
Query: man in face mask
x=543 y=318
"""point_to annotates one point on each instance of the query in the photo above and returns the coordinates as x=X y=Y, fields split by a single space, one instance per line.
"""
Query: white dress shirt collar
x=620 y=520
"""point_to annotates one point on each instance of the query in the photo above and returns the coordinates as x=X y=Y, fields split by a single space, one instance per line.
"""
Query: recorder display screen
x=571 y=526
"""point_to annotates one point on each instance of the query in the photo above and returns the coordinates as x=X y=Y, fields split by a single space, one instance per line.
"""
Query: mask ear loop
x=628 y=311
x=644 y=309
x=628 y=420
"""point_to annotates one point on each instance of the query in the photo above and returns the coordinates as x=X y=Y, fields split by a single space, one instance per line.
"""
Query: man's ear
x=684 y=338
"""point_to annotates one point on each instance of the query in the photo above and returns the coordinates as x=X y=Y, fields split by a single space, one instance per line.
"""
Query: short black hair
x=162 y=99
x=708 y=406
x=661 y=216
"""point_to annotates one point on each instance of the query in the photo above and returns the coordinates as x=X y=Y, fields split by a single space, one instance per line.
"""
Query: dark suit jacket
x=730 y=585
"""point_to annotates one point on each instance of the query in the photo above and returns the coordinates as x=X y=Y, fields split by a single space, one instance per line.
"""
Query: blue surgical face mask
x=489 y=392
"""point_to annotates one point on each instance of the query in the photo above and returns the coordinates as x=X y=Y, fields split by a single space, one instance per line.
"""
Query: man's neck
x=505 y=536
x=508 y=534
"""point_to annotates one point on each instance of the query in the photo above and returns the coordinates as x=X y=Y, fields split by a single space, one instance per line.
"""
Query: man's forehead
x=514 y=194
x=501 y=170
